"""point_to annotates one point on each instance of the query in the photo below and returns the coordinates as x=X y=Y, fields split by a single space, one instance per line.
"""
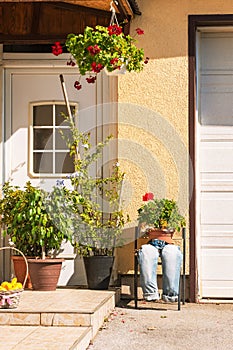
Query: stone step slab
x=46 y=338
x=65 y=316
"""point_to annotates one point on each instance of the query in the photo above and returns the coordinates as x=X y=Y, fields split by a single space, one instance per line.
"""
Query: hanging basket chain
x=113 y=19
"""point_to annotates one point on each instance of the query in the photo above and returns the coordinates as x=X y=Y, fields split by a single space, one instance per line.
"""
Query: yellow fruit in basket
x=2 y=289
x=18 y=285
x=6 y=285
x=14 y=281
x=11 y=285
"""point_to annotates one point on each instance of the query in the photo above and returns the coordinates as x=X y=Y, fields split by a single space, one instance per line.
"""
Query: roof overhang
x=45 y=21
x=125 y=7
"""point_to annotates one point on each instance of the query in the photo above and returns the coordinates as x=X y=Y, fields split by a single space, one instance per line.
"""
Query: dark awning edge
x=135 y=7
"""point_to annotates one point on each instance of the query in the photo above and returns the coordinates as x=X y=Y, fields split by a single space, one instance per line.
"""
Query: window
x=49 y=154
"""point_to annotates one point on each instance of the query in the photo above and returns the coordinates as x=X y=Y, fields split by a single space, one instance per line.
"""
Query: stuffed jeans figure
x=171 y=258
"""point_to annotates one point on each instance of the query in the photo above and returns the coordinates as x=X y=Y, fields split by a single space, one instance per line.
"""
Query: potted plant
x=101 y=48
x=160 y=218
x=30 y=219
x=95 y=211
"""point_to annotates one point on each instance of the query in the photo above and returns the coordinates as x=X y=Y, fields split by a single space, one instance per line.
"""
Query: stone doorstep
x=78 y=311
x=46 y=338
x=93 y=319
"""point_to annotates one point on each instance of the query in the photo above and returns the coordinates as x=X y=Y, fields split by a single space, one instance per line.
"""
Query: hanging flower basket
x=101 y=48
x=105 y=47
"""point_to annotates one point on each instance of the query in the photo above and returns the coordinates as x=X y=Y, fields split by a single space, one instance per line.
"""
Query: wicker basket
x=10 y=299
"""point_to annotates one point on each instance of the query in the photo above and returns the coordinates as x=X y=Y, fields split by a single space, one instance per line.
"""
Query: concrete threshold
x=215 y=301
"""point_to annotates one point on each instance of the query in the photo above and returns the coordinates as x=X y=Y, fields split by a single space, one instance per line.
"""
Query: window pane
x=43 y=115
x=63 y=163
x=60 y=143
x=43 y=163
x=59 y=117
x=43 y=139
x=216 y=94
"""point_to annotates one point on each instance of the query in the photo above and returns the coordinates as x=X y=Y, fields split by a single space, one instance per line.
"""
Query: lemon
x=14 y=281
x=18 y=285
x=6 y=285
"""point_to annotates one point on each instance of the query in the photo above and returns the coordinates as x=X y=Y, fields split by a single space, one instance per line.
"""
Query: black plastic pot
x=98 y=271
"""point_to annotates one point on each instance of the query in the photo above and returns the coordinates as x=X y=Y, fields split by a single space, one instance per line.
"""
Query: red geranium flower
x=94 y=50
x=57 y=49
x=114 y=60
x=140 y=31
x=146 y=60
x=77 y=85
x=114 y=29
x=70 y=63
x=96 y=67
x=147 y=196
x=91 y=80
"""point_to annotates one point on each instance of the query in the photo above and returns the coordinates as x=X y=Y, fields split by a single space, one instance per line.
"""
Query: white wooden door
x=215 y=165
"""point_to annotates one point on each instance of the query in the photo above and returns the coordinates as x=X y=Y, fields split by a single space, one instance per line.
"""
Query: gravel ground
x=159 y=326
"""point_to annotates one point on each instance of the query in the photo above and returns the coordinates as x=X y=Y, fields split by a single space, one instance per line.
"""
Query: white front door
x=215 y=164
x=35 y=82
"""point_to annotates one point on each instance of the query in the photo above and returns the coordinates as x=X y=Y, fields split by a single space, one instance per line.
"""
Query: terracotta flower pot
x=44 y=273
x=164 y=235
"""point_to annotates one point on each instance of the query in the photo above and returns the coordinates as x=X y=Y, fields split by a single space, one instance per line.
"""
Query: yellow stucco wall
x=153 y=108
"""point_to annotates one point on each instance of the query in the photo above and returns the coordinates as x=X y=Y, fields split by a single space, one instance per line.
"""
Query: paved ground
x=196 y=326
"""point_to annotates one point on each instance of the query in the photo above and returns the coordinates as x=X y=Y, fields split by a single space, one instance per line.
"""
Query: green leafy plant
x=94 y=202
x=30 y=218
x=160 y=213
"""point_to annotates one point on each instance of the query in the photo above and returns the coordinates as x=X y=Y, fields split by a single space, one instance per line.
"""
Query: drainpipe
x=4 y=256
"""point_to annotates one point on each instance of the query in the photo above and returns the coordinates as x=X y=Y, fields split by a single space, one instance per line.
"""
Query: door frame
x=195 y=21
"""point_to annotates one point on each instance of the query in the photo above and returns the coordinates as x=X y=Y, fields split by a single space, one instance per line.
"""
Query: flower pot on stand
x=20 y=270
x=161 y=234
x=98 y=271
x=44 y=273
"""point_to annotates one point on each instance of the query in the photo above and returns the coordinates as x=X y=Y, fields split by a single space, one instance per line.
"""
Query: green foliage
x=120 y=48
x=26 y=216
x=162 y=214
x=97 y=219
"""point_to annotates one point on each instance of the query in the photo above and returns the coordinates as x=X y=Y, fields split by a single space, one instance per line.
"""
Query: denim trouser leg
x=148 y=260
x=171 y=257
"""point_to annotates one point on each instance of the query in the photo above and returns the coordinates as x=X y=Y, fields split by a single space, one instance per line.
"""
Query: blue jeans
x=171 y=258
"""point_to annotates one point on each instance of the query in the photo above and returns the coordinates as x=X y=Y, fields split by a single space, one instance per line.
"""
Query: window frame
x=54 y=127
